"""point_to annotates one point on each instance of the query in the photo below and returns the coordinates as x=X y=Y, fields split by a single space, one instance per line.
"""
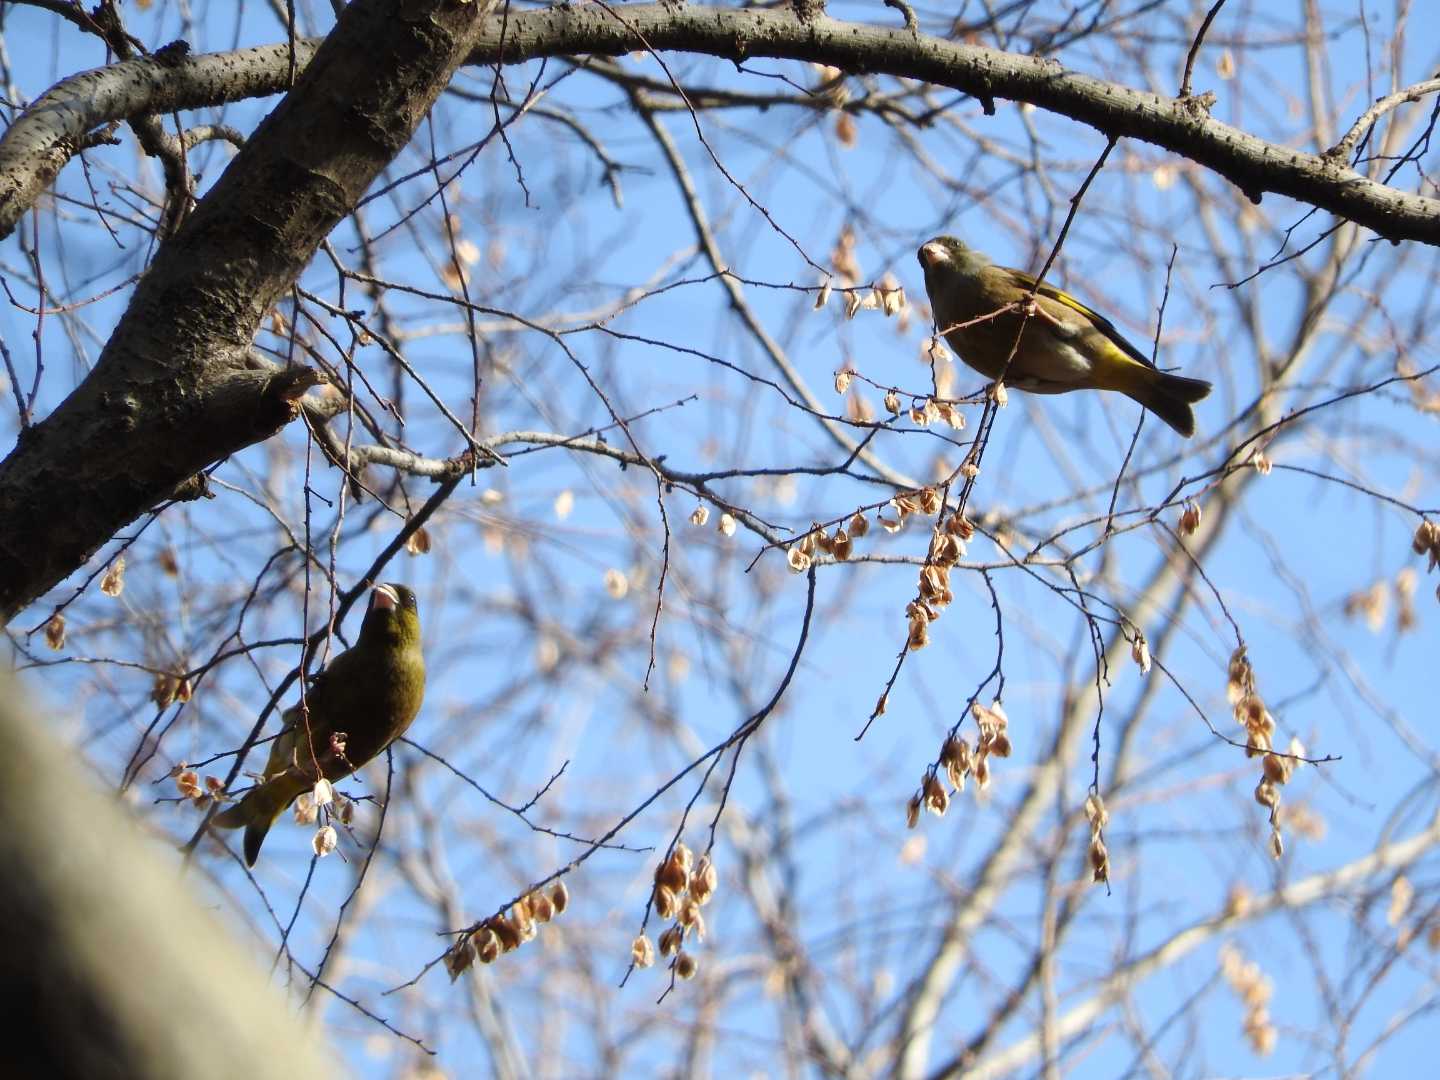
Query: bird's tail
x=257 y=811
x=1167 y=396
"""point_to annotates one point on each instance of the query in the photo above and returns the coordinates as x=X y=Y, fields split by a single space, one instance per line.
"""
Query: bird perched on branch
x=1064 y=346
x=363 y=701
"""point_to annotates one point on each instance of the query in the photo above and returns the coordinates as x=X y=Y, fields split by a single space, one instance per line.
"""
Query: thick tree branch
x=50 y=132
x=174 y=390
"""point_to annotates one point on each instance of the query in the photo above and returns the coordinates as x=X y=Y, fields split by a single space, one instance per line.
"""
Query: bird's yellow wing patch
x=1104 y=325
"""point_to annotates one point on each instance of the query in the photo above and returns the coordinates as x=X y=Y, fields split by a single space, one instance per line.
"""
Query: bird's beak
x=932 y=253
x=384 y=598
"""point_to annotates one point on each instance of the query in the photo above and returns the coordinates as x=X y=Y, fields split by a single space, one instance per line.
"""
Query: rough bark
x=176 y=388
x=1181 y=125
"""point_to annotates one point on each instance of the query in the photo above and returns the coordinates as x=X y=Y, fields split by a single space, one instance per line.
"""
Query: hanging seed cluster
x=1099 y=854
x=947 y=547
x=683 y=885
x=1254 y=989
x=960 y=761
x=1427 y=543
x=501 y=934
x=1259 y=725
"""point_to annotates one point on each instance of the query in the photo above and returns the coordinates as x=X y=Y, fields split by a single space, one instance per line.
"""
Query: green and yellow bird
x=363 y=701
x=1065 y=345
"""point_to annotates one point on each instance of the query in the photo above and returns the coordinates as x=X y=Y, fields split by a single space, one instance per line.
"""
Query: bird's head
x=393 y=616
x=947 y=253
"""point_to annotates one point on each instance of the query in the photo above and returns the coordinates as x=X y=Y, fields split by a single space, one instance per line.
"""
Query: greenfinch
x=363 y=701
x=1064 y=346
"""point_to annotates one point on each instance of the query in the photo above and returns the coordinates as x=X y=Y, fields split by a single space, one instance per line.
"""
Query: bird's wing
x=1060 y=296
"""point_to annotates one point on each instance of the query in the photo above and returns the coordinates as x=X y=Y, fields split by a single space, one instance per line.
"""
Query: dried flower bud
x=488 y=948
x=1261 y=463
x=324 y=840
x=892 y=402
x=112 y=582
x=798 y=560
x=853 y=301
x=881 y=702
x=1000 y=745
x=55 y=632
x=1277 y=844
x=700 y=515
x=840 y=546
x=727 y=525
x=1190 y=518
x=970 y=468
x=559 y=897
x=912 y=812
x=859 y=526
x=642 y=953
x=686 y=966
x=323 y=793
x=930 y=502
x=418 y=542
x=999 y=394
x=665 y=902
x=184 y=690
x=842 y=380
x=670 y=941
x=188 y=783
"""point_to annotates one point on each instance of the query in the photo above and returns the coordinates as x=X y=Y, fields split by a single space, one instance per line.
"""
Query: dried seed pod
x=930 y=501
x=937 y=799
x=727 y=525
x=541 y=907
x=842 y=380
x=304 y=809
x=859 y=526
x=703 y=880
x=559 y=897
x=1099 y=858
x=1276 y=768
x=840 y=546
x=670 y=940
x=323 y=792
x=1266 y=794
x=1140 y=652
x=912 y=812
x=821 y=299
x=700 y=515
x=686 y=966
x=665 y=901
x=112 y=583
x=1190 y=518
x=798 y=560
x=324 y=840
x=55 y=632
x=892 y=402
x=460 y=957
x=642 y=953
x=1427 y=535
x=488 y=948
x=999 y=394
